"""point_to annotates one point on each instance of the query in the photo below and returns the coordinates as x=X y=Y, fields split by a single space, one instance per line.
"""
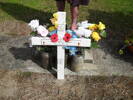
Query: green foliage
x=103 y=33
x=130 y=39
x=121 y=52
x=126 y=41
x=33 y=33
x=94 y=44
x=39 y=48
x=124 y=6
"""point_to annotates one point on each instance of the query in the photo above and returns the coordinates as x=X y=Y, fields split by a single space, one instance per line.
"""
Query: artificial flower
x=56 y=25
x=83 y=32
x=53 y=32
x=87 y=33
x=72 y=50
x=84 y=24
x=55 y=15
x=74 y=36
x=34 y=24
x=67 y=37
x=70 y=31
x=79 y=32
x=96 y=36
x=52 y=28
x=101 y=26
x=42 y=30
x=54 y=22
x=93 y=27
x=54 y=38
x=121 y=52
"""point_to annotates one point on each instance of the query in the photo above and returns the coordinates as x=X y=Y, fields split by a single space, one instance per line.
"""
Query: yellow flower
x=53 y=20
x=96 y=36
x=55 y=15
x=56 y=25
x=93 y=27
x=101 y=26
x=52 y=28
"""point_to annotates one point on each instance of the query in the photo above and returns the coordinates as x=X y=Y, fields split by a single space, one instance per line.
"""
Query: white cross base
x=79 y=42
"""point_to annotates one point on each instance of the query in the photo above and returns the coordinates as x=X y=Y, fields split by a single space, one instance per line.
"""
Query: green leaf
x=121 y=52
x=130 y=40
x=42 y=48
x=126 y=41
x=38 y=48
x=94 y=45
x=33 y=33
x=103 y=33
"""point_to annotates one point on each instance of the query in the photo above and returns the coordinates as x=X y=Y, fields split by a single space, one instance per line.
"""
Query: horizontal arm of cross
x=79 y=42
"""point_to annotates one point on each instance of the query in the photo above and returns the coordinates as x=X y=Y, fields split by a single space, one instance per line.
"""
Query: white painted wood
x=79 y=42
x=60 y=62
x=61 y=17
x=61 y=30
x=61 y=25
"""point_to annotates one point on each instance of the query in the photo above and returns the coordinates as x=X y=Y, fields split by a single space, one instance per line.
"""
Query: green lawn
x=116 y=14
x=25 y=10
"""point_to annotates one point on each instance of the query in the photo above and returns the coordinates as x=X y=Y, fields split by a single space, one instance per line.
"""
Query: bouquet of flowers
x=128 y=44
x=95 y=32
x=38 y=29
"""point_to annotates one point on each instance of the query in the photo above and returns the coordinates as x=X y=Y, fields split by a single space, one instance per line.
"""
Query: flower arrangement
x=95 y=32
x=128 y=44
x=38 y=29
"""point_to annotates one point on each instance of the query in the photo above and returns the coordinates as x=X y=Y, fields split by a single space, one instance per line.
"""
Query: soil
x=17 y=85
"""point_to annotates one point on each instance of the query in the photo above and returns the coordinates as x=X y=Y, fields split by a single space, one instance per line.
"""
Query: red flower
x=54 y=38
x=67 y=37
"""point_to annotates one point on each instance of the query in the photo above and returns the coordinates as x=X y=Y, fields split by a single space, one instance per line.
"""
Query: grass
x=26 y=10
x=116 y=14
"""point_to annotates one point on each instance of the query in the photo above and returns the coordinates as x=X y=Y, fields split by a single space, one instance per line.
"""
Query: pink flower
x=54 y=38
x=42 y=30
x=67 y=37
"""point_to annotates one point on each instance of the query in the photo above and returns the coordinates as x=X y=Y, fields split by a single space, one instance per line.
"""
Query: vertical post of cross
x=60 y=50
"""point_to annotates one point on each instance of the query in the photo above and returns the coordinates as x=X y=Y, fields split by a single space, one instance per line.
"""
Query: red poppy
x=54 y=38
x=67 y=37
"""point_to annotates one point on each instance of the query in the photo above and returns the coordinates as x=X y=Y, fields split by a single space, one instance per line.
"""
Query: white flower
x=34 y=24
x=79 y=31
x=87 y=33
x=82 y=32
x=84 y=24
x=42 y=30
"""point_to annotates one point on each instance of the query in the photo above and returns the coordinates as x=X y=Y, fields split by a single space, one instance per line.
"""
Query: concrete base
x=88 y=56
x=77 y=64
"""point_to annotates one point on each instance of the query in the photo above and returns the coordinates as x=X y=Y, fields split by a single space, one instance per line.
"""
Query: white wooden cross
x=79 y=42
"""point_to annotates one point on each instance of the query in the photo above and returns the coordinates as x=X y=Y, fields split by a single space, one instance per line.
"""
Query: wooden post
x=60 y=62
x=60 y=50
